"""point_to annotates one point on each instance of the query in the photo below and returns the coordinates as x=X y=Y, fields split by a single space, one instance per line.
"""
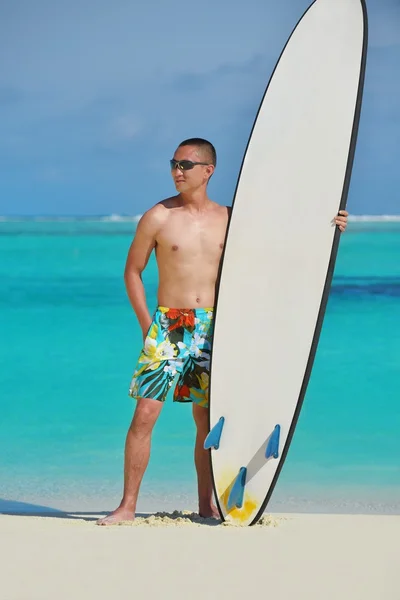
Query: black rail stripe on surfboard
x=332 y=259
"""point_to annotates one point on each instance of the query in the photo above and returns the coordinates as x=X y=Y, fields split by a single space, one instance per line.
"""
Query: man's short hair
x=205 y=147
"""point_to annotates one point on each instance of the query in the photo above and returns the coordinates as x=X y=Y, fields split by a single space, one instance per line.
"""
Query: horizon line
x=135 y=218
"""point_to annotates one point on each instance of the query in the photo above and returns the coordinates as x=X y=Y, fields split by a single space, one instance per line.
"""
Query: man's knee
x=146 y=414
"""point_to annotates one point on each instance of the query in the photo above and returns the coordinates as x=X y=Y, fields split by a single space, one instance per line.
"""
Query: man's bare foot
x=209 y=511
x=121 y=514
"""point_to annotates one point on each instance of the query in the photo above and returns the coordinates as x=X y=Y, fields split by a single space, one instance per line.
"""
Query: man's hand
x=341 y=219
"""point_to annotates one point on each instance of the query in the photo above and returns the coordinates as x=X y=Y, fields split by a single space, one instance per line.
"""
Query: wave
x=373 y=218
x=114 y=218
x=120 y=218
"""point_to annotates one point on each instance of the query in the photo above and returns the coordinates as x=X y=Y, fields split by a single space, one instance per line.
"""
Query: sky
x=96 y=95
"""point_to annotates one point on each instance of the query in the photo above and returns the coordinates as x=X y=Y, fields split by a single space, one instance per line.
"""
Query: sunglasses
x=184 y=165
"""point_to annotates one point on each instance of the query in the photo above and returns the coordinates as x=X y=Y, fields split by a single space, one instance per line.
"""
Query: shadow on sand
x=25 y=509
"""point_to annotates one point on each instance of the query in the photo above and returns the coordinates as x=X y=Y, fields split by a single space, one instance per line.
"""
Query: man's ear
x=210 y=170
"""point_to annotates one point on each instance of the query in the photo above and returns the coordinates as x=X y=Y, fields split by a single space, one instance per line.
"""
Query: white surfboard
x=280 y=252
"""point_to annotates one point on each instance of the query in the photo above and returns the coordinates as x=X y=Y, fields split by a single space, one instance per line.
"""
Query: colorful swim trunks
x=178 y=341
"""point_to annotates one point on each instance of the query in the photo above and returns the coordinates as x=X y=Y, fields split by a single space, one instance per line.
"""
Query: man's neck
x=196 y=201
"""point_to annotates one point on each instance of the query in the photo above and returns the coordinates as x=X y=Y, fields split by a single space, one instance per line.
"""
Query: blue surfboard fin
x=213 y=438
x=237 y=492
x=272 y=449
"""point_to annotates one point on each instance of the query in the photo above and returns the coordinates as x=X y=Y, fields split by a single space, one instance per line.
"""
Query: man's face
x=192 y=179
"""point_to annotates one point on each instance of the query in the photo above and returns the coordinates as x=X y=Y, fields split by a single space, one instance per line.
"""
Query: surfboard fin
x=235 y=498
x=272 y=449
x=213 y=438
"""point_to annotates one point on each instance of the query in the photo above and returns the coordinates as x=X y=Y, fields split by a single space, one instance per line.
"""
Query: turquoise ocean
x=69 y=343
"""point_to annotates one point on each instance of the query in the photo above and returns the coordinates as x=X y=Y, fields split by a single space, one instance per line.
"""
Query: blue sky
x=95 y=96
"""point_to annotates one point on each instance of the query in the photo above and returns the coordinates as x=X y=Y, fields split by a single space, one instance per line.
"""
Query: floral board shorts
x=178 y=341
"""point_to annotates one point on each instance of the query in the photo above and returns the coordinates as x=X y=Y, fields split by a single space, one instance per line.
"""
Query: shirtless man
x=187 y=232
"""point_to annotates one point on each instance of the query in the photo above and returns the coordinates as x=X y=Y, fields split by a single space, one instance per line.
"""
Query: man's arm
x=138 y=257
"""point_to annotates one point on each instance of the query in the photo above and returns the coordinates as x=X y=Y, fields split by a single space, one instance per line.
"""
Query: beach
x=302 y=556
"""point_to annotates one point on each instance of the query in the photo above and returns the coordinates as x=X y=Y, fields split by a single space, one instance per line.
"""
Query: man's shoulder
x=162 y=208
x=155 y=216
x=168 y=203
x=224 y=210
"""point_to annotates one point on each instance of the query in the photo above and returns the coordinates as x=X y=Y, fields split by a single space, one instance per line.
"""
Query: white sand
x=310 y=557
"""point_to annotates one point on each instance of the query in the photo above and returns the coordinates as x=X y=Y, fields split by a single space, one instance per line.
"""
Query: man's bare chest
x=193 y=237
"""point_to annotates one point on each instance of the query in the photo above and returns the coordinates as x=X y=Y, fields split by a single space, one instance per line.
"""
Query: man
x=187 y=232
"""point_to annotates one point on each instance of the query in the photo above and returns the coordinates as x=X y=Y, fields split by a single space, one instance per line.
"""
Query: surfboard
x=280 y=251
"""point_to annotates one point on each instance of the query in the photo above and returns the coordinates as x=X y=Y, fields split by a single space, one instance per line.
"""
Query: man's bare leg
x=137 y=454
x=202 y=462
